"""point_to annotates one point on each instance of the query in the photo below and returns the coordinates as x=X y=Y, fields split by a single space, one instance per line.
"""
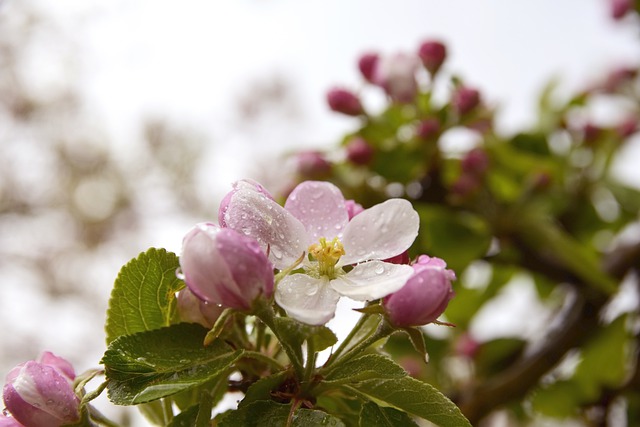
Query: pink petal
x=320 y=206
x=380 y=232
x=372 y=280
x=307 y=299
x=251 y=213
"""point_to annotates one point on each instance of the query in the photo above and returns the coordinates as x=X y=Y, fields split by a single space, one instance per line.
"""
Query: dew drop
x=184 y=361
x=141 y=359
x=379 y=269
x=277 y=254
x=311 y=291
x=50 y=402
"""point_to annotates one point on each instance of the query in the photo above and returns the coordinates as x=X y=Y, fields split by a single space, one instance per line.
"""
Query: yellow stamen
x=327 y=254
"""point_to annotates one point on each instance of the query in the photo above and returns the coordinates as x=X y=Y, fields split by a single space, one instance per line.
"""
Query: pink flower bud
x=620 y=8
x=396 y=74
x=242 y=184
x=428 y=129
x=464 y=100
x=591 y=133
x=367 y=66
x=432 y=53
x=618 y=78
x=345 y=102
x=222 y=266
x=313 y=165
x=193 y=310
x=359 y=151
x=425 y=295
x=467 y=346
x=353 y=208
x=628 y=127
x=6 y=421
x=475 y=162
x=40 y=393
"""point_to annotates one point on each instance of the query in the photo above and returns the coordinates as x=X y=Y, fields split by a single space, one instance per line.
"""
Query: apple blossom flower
x=425 y=295
x=40 y=393
x=222 y=266
x=396 y=74
x=245 y=183
x=314 y=227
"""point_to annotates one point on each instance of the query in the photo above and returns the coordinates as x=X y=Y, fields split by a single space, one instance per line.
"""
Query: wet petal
x=320 y=206
x=380 y=232
x=372 y=280
x=307 y=299
x=253 y=214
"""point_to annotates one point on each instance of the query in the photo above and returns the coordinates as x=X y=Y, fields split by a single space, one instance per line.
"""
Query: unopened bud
x=353 y=208
x=221 y=266
x=428 y=129
x=191 y=309
x=367 y=66
x=40 y=393
x=464 y=100
x=475 y=162
x=359 y=151
x=620 y=8
x=345 y=102
x=312 y=164
x=396 y=74
x=432 y=53
x=424 y=297
x=628 y=127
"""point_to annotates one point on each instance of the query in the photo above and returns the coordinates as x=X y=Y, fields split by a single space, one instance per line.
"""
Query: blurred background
x=123 y=123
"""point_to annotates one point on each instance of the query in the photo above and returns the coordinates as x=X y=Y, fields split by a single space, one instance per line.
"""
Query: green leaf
x=404 y=393
x=369 y=366
x=559 y=400
x=296 y=333
x=458 y=238
x=143 y=296
x=266 y=413
x=154 y=364
x=374 y=415
x=186 y=418
x=261 y=389
x=415 y=397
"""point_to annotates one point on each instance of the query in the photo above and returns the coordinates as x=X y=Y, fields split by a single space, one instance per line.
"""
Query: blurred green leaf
x=265 y=413
x=374 y=415
x=559 y=400
x=456 y=237
x=535 y=143
x=149 y=365
x=143 y=296
x=494 y=355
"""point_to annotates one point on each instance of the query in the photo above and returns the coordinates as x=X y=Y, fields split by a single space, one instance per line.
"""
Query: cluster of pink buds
x=40 y=394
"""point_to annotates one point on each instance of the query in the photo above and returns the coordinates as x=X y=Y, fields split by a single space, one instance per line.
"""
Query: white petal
x=255 y=215
x=372 y=280
x=380 y=232
x=307 y=299
x=320 y=207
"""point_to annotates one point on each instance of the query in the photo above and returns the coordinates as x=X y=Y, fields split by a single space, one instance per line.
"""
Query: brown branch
x=575 y=325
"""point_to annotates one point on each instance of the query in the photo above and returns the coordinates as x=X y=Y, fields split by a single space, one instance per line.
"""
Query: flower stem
x=311 y=362
x=364 y=319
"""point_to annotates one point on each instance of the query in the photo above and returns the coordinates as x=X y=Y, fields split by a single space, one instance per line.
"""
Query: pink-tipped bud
x=628 y=127
x=464 y=100
x=312 y=165
x=620 y=8
x=359 y=151
x=396 y=74
x=239 y=185
x=591 y=133
x=424 y=297
x=353 y=208
x=40 y=393
x=475 y=162
x=222 y=266
x=367 y=66
x=428 y=129
x=191 y=309
x=618 y=78
x=432 y=53
x=345 y=102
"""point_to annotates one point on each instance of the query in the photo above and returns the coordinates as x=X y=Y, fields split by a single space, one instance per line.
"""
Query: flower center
x=327 y=254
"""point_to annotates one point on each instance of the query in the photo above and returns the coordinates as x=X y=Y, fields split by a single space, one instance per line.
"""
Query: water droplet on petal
x=311 y=291
x=379 y=269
